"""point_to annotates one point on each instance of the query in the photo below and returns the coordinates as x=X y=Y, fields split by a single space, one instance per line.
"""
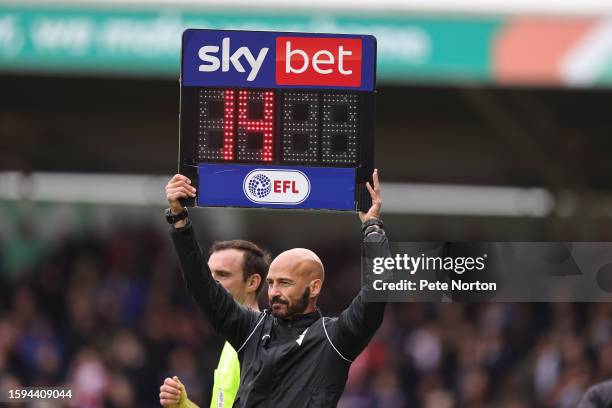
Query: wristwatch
x=372 y=225
x=372 y=221
x=174 y=218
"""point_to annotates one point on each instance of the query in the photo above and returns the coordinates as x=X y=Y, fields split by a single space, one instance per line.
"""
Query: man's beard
x=295 y=309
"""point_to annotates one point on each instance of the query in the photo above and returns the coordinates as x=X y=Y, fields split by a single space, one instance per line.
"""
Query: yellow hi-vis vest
x=227 y=379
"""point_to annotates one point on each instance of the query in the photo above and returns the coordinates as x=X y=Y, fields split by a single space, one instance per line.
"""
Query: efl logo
x=318 y=61
x=271 y=186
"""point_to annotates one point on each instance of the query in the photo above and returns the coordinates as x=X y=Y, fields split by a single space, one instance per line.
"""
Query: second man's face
x=226 y=267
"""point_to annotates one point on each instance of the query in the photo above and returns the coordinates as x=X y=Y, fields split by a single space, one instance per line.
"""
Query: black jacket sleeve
x=231 y=320
x=357 y=324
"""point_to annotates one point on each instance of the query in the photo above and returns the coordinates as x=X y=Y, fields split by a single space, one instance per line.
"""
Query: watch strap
x=372 y=221
x=174 y=218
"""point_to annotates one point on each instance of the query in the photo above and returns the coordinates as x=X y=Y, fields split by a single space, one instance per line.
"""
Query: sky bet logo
x=299 y=60
x=211 y=63
x=271 y=186
x=277 y=60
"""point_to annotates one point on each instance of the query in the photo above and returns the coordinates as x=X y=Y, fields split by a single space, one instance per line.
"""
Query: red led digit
x=228 y=125
x=255 y=134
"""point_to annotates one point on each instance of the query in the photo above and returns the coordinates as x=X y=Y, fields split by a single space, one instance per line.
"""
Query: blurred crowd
x=107 y=315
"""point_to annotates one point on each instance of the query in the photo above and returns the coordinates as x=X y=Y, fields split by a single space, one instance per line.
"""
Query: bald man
x=290 y=355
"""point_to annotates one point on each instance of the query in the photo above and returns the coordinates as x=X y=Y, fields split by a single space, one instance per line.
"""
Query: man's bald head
x=294 y=282
x=301 y=261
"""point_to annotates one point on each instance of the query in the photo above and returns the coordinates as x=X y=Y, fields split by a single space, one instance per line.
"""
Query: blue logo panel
x=248 y=59
x=239 y=185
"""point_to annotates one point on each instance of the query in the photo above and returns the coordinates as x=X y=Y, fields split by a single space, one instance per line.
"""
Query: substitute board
x=277 y=120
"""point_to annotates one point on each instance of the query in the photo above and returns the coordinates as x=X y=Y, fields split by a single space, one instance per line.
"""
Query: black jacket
x=303 y=362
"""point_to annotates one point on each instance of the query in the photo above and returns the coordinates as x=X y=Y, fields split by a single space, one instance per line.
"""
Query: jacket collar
x=302 y=320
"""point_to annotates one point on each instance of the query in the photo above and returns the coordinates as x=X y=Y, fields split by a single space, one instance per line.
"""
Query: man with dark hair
x=240 y=267
x=291 y=355
x=255 y=261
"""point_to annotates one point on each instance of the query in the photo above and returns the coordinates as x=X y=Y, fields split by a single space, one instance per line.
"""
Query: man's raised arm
x=227 y=317
x=357 y=324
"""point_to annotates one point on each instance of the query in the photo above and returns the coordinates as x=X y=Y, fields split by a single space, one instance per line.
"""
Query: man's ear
x=253 y=282
x=315 y=287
